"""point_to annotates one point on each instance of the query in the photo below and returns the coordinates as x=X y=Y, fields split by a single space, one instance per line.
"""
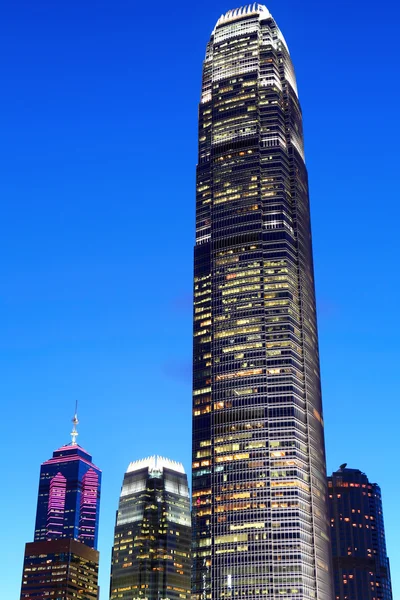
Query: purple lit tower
x=63 y=562
x=69 y=495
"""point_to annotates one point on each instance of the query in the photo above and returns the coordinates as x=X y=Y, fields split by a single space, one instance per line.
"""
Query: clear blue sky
x=98 y=119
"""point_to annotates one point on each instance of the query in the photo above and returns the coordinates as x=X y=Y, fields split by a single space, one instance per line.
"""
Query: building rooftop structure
x=155 y=463
x=244 y=11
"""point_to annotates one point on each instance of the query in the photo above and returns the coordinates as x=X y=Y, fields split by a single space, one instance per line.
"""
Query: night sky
x=98 y=114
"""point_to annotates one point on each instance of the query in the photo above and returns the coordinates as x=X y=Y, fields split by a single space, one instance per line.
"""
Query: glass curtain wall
x=260 y=526
x=151 y=553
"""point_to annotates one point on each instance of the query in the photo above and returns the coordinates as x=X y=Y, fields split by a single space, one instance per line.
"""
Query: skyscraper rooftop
x=248 y=9
x=155 y=463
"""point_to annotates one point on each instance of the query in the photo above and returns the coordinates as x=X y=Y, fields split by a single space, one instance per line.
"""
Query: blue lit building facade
x=69 y=497
x=360 y=561
x=62 y=562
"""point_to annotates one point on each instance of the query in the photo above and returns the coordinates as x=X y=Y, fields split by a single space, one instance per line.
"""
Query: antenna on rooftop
x=75 y=421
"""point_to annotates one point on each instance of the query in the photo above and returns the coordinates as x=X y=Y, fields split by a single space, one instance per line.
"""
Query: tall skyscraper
x=63 y=562
x=360 y=561
x=69 y=495
x=260 y=524
x=151 y=553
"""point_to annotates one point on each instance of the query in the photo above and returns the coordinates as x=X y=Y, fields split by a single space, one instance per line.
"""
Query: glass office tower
x=151 y=553
x=360 y=562
x=260 y=525
x=62 y=563
x=69 y=497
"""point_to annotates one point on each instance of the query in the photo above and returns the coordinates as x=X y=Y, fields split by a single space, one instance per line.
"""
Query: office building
x=62 y=562
x=360 y=561
x=260 y=523
x=151 y=553
x=62 y=569
x=69 y=495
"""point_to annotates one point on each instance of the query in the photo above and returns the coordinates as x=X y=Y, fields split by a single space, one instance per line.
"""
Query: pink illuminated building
x=69 y=495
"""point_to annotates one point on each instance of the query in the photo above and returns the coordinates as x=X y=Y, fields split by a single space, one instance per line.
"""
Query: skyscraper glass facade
x=260 y=526
x=360 y=561
x=151 y=553
x=69 y=497
x=62 y=563
x=61 y=569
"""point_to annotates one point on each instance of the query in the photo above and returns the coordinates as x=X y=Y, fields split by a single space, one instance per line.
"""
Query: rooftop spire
x=74 y=433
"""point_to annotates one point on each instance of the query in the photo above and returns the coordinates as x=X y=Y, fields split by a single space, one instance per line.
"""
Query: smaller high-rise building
x=62 y=563
x=69 y=495
x=62 y=569
x=360 y=561
x=151 y=553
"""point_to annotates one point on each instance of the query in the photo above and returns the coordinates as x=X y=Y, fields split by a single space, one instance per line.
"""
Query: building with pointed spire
x=63 y=561
x=69 y=495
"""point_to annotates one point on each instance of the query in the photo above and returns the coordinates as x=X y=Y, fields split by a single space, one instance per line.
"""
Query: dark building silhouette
x=151 y=553
x=260 y=523
x=361 y=565
x=62 y=569
x=62 y=563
